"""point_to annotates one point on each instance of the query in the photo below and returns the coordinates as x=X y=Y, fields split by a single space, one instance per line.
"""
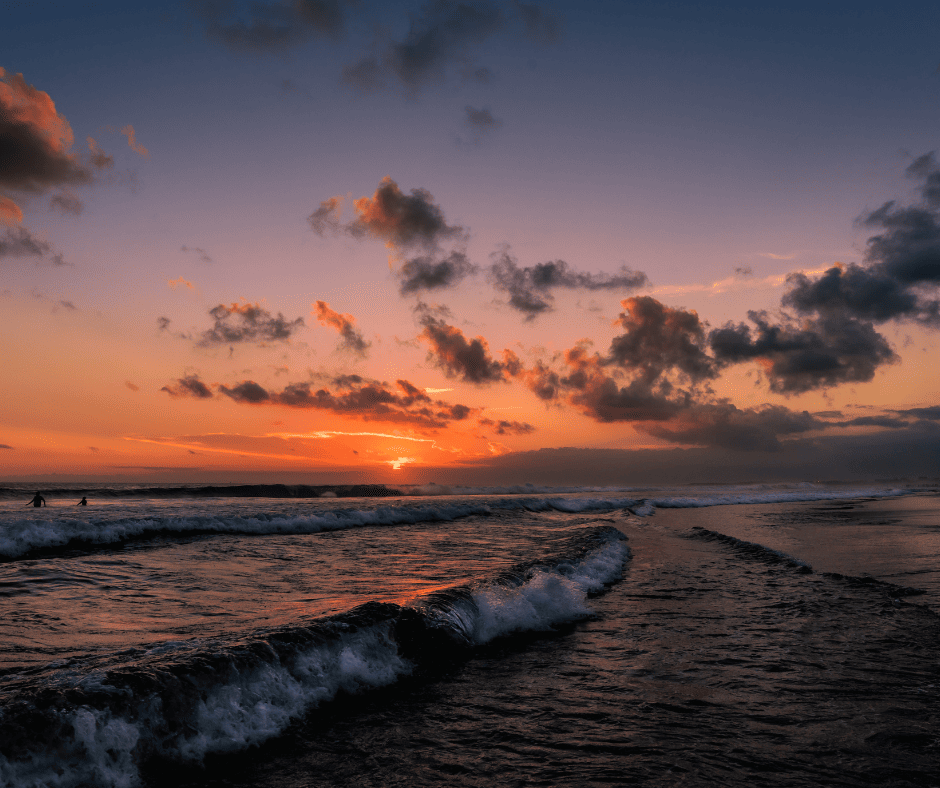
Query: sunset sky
x=469 y=242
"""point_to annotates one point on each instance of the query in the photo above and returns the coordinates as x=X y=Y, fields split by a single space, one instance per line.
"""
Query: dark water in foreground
x=475 y=640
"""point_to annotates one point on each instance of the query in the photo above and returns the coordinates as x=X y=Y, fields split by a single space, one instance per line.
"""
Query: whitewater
x=429 y=636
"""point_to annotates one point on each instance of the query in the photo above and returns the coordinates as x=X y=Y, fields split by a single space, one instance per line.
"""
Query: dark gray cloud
x=247 y=391
x=504 y=427
x=930 y=413
x=458 y=357
x=443 y=32
x=271 y=26
x=357 y=397
x=722 y=424
x=428 y=273
x=480 y=122
x=190 y=386
x=66 y=202
x=401 y=220
x=246 y=323
x=660 y=340
x=201 y=253
x=99 y=159
x=35 y=142
x=351 y=337
x=866 y=293
x=908 y=249
x=902 y=270
x=5 y=446
x=797 y=357
x=892 y=454
x=530 y=288
x=872 y=421
x=20 y=242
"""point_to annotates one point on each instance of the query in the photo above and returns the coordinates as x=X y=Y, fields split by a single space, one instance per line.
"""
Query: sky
x=479 y=242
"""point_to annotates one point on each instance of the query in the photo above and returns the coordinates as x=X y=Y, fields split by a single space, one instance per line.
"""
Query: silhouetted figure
x=82 y=502
x=38 y=500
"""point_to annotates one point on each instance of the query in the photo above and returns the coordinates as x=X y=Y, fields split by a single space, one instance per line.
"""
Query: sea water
x=727 y=635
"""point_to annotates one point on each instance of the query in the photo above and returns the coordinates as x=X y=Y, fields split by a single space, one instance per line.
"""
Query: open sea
x=756 y=635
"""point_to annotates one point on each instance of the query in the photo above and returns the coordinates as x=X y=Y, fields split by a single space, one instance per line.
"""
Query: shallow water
x=748 y=644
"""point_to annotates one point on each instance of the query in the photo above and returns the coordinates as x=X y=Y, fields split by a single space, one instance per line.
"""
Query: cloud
x=902 y=271
x=246 y=322
x=5 y=446
x=723 y=425
x=20 y=242
x=930 y=413
x=530 y=288
x=36 y=143
x=357 y=397
x=133 y=386
x=128 y=131
x=798 y=357
x=345 y=324
x=867 y=293
x=99 y=159
x=590 y=388
x=873 y=421
x=443 y=32
x=174 y=283
x=427 y=273
x=660 y=339
x=66 y=202
x=402 y=221
x=202 y=253
x=469 y=360
x=272 y=26
x=836 y=342
x=503 y=427
x=190 y=386
x=247 y=391
x=480 y=122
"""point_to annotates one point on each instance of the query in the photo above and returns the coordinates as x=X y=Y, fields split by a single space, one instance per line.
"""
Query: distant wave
x=751 y=549
x=210 y=491
x=101 y=724
x=48 y=530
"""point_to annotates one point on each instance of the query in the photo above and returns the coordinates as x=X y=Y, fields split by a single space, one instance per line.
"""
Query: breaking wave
x=104 y=722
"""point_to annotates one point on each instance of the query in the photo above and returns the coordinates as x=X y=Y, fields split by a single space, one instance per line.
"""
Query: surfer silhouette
x=82 y=502
x=38 y=500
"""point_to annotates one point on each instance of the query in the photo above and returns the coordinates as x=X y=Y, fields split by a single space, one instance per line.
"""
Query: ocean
x=750 y=635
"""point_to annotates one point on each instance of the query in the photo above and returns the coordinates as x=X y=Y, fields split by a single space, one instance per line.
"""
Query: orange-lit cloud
x=352 y=339
x=400 y=220
x=358 y=398
x=36 y=141
x=10 y=212
x=458 y=357
x=174 y=283
x=128 y=131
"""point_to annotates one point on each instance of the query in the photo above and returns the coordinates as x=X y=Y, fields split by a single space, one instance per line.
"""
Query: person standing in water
x=82 y=502
x=38 y=500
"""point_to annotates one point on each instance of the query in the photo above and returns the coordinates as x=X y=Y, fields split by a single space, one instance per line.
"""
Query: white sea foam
x=550 y=596
x=23 y=535
x=254 y=702
x=186 y=700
